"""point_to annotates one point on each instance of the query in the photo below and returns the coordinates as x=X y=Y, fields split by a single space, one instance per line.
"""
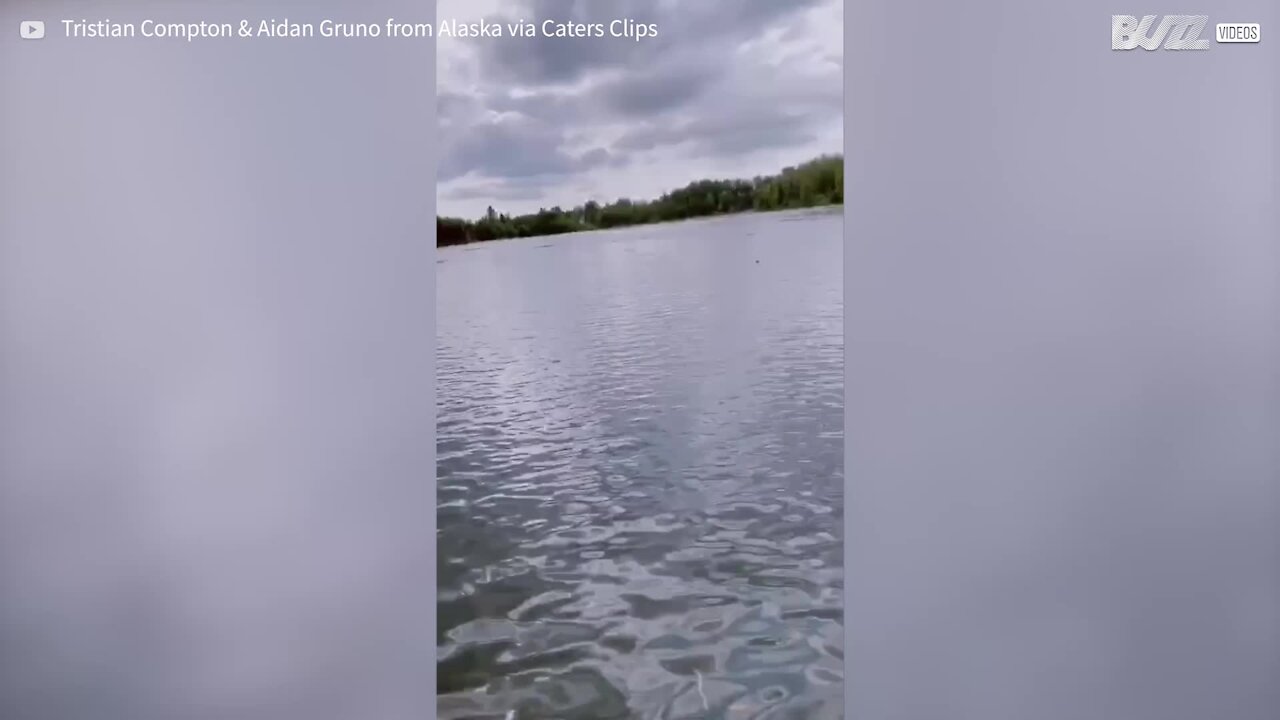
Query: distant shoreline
x=735 y=213
x=814 y=184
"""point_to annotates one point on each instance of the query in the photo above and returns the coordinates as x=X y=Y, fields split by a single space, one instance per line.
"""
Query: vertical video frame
x=640 y=367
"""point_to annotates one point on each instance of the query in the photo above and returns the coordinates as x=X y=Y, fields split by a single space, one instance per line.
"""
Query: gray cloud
x=541 y=120
x=722 y=136
x=654 y=92
x=512 y=146
x=542 y=60
x=517 y=147
x=710 y=24
x=552 y=107
x=497 y=191
x=598 y=157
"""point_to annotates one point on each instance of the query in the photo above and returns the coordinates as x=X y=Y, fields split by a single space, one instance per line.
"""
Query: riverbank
x=657 y=223
x=816 y=183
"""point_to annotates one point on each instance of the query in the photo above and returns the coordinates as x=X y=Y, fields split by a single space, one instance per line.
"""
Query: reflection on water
x=640 y=472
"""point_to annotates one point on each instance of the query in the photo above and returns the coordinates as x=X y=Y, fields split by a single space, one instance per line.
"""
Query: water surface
x=640 y=472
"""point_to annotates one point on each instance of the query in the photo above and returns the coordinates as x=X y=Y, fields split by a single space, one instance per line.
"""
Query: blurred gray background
x=216 y=369
x=1062 y=359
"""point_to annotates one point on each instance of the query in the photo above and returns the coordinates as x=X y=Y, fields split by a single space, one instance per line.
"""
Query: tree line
x=817 y=182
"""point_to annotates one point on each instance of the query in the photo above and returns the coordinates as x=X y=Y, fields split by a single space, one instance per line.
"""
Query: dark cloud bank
x=726 y=86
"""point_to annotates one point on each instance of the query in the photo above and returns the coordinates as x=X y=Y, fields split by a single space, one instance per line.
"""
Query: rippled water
x=640 y=472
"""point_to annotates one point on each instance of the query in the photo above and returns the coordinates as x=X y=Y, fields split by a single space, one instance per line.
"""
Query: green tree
x=817 y=182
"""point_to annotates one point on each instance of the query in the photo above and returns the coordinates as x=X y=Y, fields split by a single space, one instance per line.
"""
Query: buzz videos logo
x=1176 y=32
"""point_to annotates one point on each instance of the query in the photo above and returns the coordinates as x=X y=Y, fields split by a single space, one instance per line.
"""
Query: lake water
x=640 y=457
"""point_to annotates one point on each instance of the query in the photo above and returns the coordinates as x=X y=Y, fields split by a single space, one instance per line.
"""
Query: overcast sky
x=729 y=88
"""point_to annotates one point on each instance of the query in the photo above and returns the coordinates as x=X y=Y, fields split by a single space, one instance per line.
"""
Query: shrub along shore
x=817 y=182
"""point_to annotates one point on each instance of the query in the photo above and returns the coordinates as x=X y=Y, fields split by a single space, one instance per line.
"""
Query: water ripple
x=639 y=448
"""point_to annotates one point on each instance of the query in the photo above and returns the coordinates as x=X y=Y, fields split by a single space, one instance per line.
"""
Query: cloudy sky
x=729 y=88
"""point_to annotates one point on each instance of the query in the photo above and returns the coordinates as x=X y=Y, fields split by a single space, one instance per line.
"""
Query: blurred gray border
x=1061 y=356
x=217 y=382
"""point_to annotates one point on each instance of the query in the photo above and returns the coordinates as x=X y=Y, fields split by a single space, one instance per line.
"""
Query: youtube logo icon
x=31 y=29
